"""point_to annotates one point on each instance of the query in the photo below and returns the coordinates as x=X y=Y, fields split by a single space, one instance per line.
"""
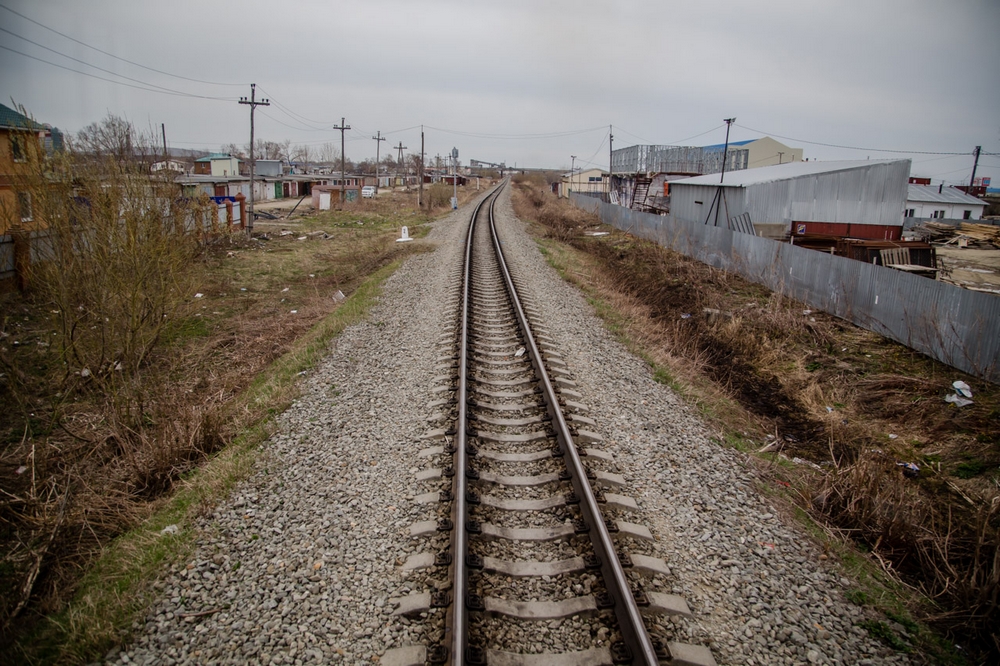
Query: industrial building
x=857 y=199
x=641 y=172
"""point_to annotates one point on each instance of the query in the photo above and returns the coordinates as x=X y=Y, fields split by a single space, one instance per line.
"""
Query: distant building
x=942 y=203
x=857 y=199
x=640 y=172
x=169 y=165
x=217 y=164
x=21 y=140
x=583 y=182
x=270 y=168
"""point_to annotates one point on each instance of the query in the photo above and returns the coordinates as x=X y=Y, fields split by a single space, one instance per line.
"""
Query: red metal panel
x=846 y=230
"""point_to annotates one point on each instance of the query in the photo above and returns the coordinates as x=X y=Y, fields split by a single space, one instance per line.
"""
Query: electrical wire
x=121 y=83
x=544 y=135
x=834 y=145
x=87 y=64
x=112 y=55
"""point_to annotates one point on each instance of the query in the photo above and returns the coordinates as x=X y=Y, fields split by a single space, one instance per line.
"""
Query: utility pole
x=572 y=168
x=378 y=144
x=400 y=148
x=975 y=165
x=163 y=128
x=611 y=157
x=343 y=173
x=420 y=172
x=725 y=154
x=454 y=178
x=253 y=107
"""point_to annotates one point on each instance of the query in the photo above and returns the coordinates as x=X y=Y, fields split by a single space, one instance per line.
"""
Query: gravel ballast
x=299 y=564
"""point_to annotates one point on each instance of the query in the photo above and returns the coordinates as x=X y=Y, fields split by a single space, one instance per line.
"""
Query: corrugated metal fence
x=953 y=325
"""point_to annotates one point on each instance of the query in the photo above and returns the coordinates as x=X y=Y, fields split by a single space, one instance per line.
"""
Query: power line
x=84 y=62
x=834 y=145
x=544 y=135
x=121 y=83
x=112 y=55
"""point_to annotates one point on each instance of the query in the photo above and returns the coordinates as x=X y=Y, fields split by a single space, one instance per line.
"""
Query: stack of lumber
x=982 y=235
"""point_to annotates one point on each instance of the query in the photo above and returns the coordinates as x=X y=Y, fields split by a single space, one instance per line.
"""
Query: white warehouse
x=857 y=198
x=949 y=203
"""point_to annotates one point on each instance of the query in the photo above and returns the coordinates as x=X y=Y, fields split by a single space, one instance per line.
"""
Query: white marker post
x=404 y=236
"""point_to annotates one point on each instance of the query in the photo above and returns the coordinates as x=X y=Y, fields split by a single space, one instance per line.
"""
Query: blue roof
x=719 y=146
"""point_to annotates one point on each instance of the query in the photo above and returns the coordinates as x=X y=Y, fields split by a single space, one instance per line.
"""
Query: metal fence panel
x=953 y=325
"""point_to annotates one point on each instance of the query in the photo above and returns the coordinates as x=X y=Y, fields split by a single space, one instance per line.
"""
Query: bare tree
x=329 y=152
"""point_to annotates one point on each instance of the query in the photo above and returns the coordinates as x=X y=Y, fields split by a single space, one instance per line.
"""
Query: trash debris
x=303 y=372
x=169 y=529
x=301 y=238
x=807 y=312
x=686 y=315
x=312 y=275
x=22 y=469
x=962 y=389
x=893 y=436
x=802 y=461
x=85 y=372
x=243 y=288
x=284 y=290
x=829 y=410
x=295 y=311
x=519 y=353
x=198 y=295
x=338 y=296
x=910 y=469
x=957 y=400
x=285 y=232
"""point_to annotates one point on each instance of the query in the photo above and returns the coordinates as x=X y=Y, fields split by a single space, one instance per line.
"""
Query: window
x=24 y=205
x=910 y=212
x=967 y=215
x=17 y=148
x=596 y=179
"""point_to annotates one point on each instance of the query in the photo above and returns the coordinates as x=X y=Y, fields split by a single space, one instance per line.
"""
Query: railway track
x=546 y=560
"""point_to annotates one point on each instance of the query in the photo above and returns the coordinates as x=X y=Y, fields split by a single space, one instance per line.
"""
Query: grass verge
x=117 y=588
x=827 y=411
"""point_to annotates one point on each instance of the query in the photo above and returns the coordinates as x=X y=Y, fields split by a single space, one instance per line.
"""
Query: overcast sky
x=527 y=82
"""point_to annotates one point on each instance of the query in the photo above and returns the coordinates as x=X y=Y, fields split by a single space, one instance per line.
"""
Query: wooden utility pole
x=420 y=172
x=163 y=128
x=253 y=106
x=343 y=173
x=975 y=165
x=378 y=144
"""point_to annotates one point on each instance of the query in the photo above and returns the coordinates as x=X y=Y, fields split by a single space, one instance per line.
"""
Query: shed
x=856 y=198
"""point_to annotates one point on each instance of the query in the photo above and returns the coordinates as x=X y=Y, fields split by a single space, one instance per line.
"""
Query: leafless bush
x=955 y=550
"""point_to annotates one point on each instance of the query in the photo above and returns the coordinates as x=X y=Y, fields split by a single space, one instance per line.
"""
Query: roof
x=11 y=119
x=946 y=195
x=216 y=156
x=770 y=174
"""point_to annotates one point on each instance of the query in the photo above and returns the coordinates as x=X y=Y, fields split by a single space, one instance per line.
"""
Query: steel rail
x=457 y=620
x=626 y=609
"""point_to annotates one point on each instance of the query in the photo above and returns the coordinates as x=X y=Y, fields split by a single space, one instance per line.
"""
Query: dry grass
x=772 y=376
x=77 y=471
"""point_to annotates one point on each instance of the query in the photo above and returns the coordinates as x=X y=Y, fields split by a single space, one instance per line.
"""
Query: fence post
x=243 y=210
x=229 y=216
x=22 y=257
